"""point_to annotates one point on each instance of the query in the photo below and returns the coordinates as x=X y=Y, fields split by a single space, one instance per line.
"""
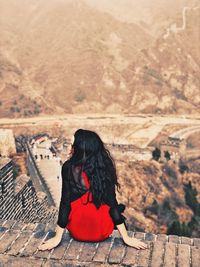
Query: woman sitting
x=88 y=206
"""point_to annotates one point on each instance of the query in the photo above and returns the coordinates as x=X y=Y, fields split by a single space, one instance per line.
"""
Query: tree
x=166 y=205
x=154 y=207
x=174 y=228
x=156 y=154
x=185 y=230
x=167 y=155
x=183 y=168
x=190 y=197
x=190 y=200
x=193 y=222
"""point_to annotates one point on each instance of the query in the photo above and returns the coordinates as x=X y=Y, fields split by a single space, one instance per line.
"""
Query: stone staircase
x=19 y=242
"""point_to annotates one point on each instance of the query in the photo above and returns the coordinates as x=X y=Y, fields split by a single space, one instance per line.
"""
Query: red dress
x=86 y=222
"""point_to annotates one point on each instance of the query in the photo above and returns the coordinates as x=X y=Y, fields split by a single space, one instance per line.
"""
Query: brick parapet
x=19 y=242
x=19 y=199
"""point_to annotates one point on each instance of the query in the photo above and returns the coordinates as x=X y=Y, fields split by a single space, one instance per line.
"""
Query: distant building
x=41 y=147
x=38 y=139
x=130 y=151
x=175 y=146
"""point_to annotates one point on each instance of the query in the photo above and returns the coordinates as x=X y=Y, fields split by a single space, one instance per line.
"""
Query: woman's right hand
x=50 y=243
x=134 y=242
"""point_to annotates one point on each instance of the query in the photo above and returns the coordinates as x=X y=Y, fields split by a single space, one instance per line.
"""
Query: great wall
x=29 y=218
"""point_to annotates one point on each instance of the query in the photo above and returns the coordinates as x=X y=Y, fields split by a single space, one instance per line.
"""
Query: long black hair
x=91 y=156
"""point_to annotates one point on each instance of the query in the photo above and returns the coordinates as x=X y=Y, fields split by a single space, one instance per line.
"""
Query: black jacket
x=72 y=190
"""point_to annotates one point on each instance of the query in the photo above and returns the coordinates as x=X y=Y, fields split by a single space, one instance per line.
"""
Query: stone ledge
x=19 y=242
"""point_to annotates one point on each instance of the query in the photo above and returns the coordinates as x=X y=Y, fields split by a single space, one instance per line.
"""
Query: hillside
x=69 y=57
x=154 y=194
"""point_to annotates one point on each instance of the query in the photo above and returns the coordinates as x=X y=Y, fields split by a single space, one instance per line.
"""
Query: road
x=181 y=134
x=51 y=170
x=138 y=130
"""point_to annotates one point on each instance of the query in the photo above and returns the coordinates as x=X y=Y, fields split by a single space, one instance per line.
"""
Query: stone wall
x=19 y=246
x=31 y=161
x=19 y=200
x=6 y=181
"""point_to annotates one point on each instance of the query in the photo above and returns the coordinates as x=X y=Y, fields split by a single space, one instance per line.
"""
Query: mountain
x=83 y=56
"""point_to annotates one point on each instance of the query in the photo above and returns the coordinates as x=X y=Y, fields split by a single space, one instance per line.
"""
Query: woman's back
x=86 y=222
x=77 y=185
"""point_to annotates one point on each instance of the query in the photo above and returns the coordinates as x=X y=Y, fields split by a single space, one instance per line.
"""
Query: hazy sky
x=134 y=10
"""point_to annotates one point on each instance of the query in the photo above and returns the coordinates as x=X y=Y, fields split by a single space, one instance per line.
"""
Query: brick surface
x=139 y=235
x=144 y=256
x=2 y=221
x=150 y=237
x=195 y=255
x=53 y=263
x=45 y=253
x=50 y=227
x=196 y=242
x=7 y=239
x=3 y=260
x=74 y=250
x=174 y=239
x=18 y=244
x=131 y=254
x=162 y=237
x=102 y=250
x=39 y=227
x=9 y=223
x=88 y=251
x=20 y=239
x=115 y=233
x=185 y=240
x=2 y=231
x=117 y=251
x=170 y=255
x=30 y=227
x=9 y=261
x=59 y=251
x=157 y=254
x=34 y=241
x=19 y=225
x=183 y=255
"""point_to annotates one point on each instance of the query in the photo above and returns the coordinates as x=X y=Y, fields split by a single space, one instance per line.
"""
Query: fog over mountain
x=116 y=56
x=154 y=15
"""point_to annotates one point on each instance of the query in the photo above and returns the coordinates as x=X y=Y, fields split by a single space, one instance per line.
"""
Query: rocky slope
x=143 y=182
x=67 y=56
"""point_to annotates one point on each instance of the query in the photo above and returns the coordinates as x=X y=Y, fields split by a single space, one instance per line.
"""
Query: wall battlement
x=19 y=200
x=19 y=242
